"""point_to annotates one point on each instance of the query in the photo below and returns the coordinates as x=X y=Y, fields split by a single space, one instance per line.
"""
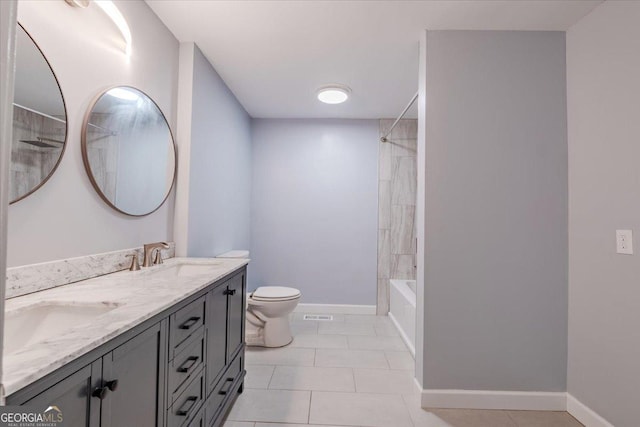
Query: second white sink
x=189 y=269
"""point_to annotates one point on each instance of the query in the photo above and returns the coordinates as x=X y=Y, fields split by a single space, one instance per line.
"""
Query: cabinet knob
x=112 y=385
x=100 y=392
x=230 y=292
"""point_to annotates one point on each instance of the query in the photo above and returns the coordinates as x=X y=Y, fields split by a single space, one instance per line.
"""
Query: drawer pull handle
x=187 y=406
x=229 y=292
x=100 y=392
x=112 y=385
x=189 y=323
x=188 y=364
x=227 y=381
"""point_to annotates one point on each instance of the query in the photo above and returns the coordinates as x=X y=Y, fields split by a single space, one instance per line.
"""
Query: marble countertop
x=136 y=296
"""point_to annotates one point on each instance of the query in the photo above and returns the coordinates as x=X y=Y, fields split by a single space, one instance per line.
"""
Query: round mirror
x=39 y=120
x=128 y=151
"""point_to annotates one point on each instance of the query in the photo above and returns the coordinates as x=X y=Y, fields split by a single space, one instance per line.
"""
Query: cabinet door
x=216 y=334
x=73 y=396
x=138 y=366
x=236 y=314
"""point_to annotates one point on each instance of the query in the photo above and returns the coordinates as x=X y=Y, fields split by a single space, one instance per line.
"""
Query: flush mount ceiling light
x=333 y=94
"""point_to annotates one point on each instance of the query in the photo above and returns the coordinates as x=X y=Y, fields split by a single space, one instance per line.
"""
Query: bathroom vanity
x=165 y=347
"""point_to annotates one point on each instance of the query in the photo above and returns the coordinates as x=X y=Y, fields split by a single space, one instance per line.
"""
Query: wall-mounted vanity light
x=78 y=3
x=114 y=13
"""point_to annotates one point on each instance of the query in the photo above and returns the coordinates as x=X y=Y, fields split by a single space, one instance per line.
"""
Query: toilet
x=268 y=309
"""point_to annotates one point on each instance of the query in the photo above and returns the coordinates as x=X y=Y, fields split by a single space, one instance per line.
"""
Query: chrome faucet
x=148 y=253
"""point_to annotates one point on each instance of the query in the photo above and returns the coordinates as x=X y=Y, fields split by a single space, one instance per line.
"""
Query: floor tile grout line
x=355 y=385
x=273 y=372
x=406 y=405
x=515 y=423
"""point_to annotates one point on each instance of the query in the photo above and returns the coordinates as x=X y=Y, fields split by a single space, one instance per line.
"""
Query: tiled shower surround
x=396 y=206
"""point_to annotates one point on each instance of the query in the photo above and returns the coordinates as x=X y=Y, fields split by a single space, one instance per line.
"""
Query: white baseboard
x=404 y=336
x=335 y=309
x=484 y=399
x=584 y=414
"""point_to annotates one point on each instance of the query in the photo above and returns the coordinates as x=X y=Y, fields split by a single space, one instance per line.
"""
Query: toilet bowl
x=268 y=309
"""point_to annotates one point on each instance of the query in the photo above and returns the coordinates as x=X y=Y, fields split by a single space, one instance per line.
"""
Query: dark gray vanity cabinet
x=236 y=314
x=216 y=335
x=181 y=368
x=133 y=375
x=73 y=396
x=225 y=346
x=125 y=387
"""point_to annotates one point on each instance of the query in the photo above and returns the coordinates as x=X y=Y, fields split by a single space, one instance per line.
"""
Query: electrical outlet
x=624 y=242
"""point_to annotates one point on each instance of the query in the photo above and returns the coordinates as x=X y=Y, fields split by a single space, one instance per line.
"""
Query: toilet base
x=275 y=332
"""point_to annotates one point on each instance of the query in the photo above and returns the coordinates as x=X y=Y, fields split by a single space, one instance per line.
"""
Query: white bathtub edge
x=404 y=336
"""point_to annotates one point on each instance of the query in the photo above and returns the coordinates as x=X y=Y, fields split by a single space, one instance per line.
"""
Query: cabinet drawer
x=186 y=406
x=183 y=324
x=223 y=388
x=185 y=364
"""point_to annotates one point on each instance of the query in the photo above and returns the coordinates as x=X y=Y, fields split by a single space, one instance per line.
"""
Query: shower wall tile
x=384 y=162
x=402 y=267
x=397 y=174
x=384 y=205
x=406 y=129
x=385 y=125
x=402 y=229
x=383 y=297
x=403 y=181
x=404 y=147
x=384 y=254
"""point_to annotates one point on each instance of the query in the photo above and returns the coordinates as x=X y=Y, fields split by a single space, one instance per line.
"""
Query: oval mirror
x=39 y=120
x=128 y=151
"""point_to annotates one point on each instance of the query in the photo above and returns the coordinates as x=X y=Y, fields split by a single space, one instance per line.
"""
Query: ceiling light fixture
x=333 y=94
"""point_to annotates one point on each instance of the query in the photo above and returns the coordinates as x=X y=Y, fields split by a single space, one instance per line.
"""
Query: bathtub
x=402 y=310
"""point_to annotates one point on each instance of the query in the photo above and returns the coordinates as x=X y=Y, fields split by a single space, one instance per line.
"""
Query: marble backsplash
x=397 y=175
x=27 y=279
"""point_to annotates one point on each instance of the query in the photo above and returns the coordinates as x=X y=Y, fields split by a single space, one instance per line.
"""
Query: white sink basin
x=39 y=322
x=188 y=269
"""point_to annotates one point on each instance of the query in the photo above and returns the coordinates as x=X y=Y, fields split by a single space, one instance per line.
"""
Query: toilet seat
x=275 y=293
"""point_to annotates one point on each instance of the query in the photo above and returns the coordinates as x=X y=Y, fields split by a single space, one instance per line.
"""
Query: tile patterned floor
x=352 y=371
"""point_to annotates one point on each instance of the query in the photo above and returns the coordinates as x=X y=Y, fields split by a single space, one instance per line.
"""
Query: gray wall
x=495 y=301
x=220 y=174
x=66 y=217
x=603 y=82
x=314 y=208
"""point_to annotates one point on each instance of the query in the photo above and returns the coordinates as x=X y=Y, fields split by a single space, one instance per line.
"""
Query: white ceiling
x=275 y=54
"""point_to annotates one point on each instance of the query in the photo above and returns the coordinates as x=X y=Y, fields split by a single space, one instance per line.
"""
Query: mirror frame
x=85 y=155
x=66 y=122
